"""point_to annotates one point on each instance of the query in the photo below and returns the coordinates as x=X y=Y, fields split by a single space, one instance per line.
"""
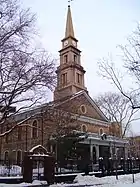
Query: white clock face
x=73 y=42
x=66 y=43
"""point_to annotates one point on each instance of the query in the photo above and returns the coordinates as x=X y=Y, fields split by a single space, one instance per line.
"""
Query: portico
x=105 y=146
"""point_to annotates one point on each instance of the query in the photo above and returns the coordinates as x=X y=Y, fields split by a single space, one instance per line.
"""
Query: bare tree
x=134 y=148
x=131 y=62
x=65 y=122
x=64 y=128
x=24 y=70
x=118 y=109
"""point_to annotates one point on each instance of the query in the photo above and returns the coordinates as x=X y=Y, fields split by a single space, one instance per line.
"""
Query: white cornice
x=93 y=121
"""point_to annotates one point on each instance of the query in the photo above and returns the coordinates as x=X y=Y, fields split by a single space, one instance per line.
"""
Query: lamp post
x=116 y=166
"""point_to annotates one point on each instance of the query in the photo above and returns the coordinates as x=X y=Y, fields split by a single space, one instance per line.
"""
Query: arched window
x=75 y=58
x=34 y=129
x=6 y=156
x=19 y=157
x=13 y=156
x=65 y=58
x=101 y=131
x=84 y=128
x=64 y=79
x=7 y=135
x=19 y=133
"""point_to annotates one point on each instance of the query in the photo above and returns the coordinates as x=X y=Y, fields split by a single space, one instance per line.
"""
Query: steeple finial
x=69 y=1
x=69 y=24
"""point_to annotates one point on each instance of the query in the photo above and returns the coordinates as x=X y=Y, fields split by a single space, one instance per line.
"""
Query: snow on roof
x=38 y=155
x=36 y=147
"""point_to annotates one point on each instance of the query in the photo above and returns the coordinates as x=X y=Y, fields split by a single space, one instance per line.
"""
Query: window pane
x=34 y=129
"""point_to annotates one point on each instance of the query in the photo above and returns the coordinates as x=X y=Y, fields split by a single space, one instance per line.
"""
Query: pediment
x=82 y=100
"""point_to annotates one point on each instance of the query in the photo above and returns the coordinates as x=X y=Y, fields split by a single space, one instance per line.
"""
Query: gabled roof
x=91 y=101
x=38 y=109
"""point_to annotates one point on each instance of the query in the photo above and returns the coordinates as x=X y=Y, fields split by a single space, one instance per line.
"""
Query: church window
x=84 y=128
x=64 y=78
x=6 y=156
x=19 y=157
x=79 y=78
x=34 y=129
x=7 y=135
x=83 y=109
x=65 y=58
x=19 y=133
x=101 y=131
x=13 y=154
x=75 y=58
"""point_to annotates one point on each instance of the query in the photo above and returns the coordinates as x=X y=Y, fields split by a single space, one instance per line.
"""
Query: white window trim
x=5 y=152
x=82 y=110
x=32 y=128
x=102 y=131
x=84 y=126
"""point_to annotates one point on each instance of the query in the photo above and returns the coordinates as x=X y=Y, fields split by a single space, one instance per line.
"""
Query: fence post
x=101 y=165
x=128 y=164
x=132 y=165
x=138 y=163
x=116 y=166
x=109 y=165
x=123 y=164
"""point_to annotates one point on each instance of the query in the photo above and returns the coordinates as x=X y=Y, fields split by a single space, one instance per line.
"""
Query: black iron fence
x=13 y=168
x=10 y=168
x=110 y=165
x=104 y=165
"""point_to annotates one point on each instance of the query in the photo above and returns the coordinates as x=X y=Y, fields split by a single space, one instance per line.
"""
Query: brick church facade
x=71 y=96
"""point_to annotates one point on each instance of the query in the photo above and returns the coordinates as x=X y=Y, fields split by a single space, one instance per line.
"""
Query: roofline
x=90 y=100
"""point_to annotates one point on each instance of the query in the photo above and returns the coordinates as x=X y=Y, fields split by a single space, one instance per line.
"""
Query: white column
x=91 y=152
x=111 y=154
x=126 y=152
x=97 y=152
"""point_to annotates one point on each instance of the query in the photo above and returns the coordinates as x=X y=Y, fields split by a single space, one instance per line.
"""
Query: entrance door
x=104 y=151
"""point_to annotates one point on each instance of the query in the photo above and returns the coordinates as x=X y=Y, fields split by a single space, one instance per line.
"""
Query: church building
x=102 y=137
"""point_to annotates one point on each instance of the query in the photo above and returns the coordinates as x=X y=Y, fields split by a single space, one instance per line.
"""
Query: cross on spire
x=69 y=2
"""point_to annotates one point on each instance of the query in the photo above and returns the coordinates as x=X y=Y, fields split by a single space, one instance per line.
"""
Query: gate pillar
x=27 y=168
x=49 y=167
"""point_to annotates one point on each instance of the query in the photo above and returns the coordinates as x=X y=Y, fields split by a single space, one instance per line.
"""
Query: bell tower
x=70 y=73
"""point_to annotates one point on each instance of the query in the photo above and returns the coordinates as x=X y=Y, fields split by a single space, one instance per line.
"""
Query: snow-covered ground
x=109 y=181
x=34 y=183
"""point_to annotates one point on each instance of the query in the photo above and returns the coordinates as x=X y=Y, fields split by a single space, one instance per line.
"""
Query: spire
x=69 y=25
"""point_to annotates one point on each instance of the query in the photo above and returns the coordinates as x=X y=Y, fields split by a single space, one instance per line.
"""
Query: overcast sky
x=100 y=25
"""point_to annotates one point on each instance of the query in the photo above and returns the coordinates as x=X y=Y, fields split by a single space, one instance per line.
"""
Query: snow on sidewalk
x=91 y=181
x=109 y=181
x=34 y=183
